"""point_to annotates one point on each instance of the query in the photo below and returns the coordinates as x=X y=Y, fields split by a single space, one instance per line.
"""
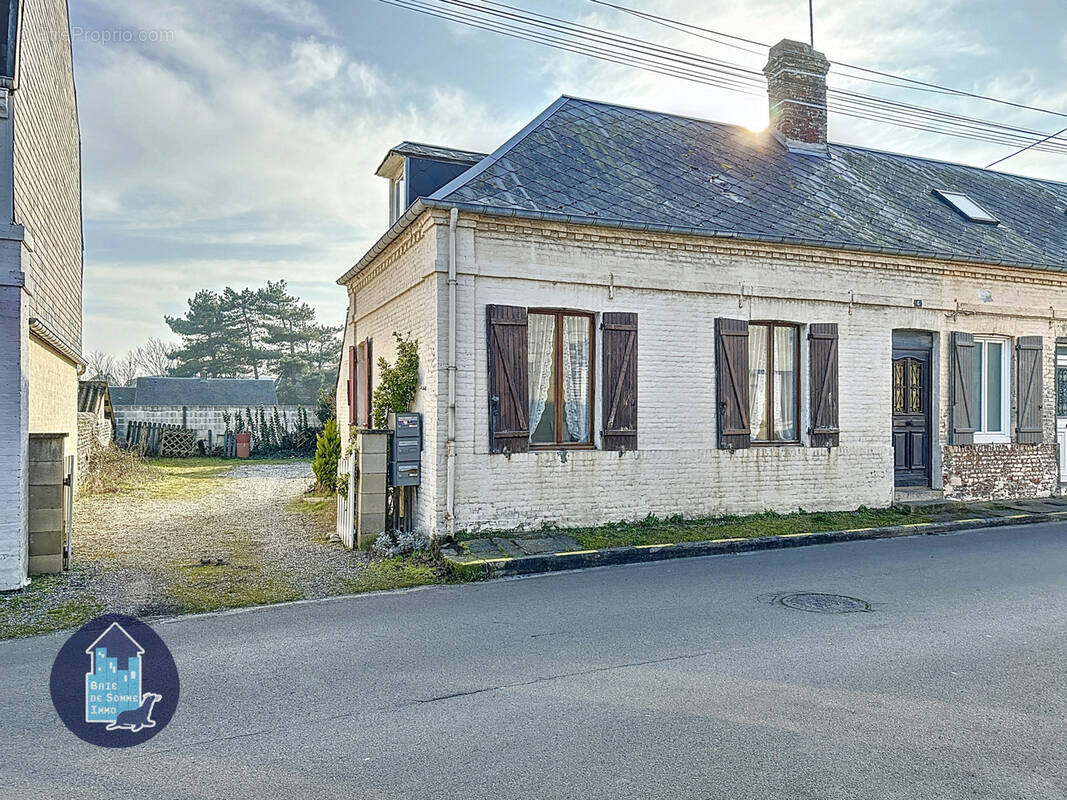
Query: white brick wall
x=678 y=286
x=45 y=182
x=14 y=411
x=404 y=292
x=48 y=167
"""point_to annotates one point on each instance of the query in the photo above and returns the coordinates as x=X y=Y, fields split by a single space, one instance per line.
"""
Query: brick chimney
x=796 y=93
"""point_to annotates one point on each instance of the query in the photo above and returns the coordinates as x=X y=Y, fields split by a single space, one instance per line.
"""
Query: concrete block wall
x=370 y=486
x=678 y=286
x=203 y=418
x=47 y=520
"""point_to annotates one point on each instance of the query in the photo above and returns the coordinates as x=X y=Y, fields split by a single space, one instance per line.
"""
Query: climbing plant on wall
x=398 y=383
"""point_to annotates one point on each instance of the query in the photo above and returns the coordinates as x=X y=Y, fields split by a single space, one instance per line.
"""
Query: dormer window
x=418 y=170
x=397 y=197
x=966 y=207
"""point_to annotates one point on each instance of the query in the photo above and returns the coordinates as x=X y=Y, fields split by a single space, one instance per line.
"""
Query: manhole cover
x=823 y=603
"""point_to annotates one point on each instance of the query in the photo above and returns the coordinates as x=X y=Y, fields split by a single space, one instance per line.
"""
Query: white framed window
x=397 y=197
x=992 y=389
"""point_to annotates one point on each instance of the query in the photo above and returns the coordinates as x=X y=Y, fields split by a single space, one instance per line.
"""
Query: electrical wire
x=687 y=26
x=625 y=50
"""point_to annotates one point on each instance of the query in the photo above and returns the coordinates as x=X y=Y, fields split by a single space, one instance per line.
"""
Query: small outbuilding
x=96 y=418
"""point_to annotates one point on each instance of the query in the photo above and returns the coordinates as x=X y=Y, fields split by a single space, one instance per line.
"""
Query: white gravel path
x=129 y=545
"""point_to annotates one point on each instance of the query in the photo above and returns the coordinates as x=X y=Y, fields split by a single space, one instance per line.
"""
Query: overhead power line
x=1024 y=149
x=688 y=26
x=509 y=20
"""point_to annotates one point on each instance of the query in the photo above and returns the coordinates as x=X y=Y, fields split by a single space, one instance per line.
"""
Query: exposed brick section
x=796 y=93
x=1000 y=471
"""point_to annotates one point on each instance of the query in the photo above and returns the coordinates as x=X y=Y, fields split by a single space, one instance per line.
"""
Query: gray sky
x=228 y=143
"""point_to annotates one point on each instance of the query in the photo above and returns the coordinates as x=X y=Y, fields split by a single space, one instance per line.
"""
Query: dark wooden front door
x=911 y=417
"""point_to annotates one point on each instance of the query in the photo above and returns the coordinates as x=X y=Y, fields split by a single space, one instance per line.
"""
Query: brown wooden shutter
x=1029 y=423
x=509 y=399
x=731 y=383
x=351 y=385
x=620 y=381
x=368 y=382
x=964 y=408
x=822 y=346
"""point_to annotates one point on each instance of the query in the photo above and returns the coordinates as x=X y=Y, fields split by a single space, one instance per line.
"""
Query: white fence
x=346 y=502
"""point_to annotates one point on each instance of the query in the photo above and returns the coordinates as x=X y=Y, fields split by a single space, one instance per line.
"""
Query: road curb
x=636 y=554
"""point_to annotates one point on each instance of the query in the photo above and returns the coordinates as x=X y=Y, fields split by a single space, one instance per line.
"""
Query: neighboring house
x=40 y=281
x=96 y=419
x=622 y=312
x=202 y=404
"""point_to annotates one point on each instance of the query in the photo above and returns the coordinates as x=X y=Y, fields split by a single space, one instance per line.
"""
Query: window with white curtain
x=560 y=358
x=992 y=389
x=773 y=381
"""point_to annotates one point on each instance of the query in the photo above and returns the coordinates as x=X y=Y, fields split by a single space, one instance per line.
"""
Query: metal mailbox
x=405 y=456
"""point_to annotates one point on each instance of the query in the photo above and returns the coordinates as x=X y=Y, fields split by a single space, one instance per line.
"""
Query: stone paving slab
x=507 y=547
x=515 y=546
x=483 y=547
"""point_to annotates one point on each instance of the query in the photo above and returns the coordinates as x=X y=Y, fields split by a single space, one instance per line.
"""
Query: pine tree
x=209 y=346
x=243 y=319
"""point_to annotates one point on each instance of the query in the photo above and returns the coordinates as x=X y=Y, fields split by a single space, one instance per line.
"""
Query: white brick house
x=622 y=313
x=40 y=277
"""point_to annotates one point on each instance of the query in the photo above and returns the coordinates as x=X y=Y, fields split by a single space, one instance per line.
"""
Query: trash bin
x=244 y=445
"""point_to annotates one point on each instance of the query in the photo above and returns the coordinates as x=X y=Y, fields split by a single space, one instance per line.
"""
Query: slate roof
x=196 y=392
x=594 y=163
x=419 y=150
x=617 y=165
x=440 y=153
x=122 y=395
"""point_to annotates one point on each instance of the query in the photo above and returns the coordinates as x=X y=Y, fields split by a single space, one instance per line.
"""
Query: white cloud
x=205 y=144
x=367 y=78
x=314 y=63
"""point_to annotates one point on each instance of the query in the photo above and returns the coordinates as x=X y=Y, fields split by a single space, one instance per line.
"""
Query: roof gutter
x=450 y=471
x=57 y=343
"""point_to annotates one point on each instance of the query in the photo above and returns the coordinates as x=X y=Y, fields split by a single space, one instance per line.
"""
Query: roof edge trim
x=624 y=224
x=387 y=238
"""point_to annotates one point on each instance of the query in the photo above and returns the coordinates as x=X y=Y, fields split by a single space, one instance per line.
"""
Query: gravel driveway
x=225 y=539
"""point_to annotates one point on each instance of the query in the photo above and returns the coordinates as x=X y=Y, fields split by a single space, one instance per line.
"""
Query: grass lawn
x=46 y=605
x=653 y=530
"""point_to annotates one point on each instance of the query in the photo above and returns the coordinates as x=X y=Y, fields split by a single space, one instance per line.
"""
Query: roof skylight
x=967 y=207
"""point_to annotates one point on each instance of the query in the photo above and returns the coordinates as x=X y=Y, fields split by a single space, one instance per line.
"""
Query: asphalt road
x=670 y=680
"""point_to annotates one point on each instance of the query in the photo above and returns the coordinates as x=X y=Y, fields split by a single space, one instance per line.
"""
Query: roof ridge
x=439 y=147
x=842 y=145
x=462 y=179
x=947 y=162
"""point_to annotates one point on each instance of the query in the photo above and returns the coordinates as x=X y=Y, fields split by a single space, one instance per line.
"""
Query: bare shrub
x=111 y=470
